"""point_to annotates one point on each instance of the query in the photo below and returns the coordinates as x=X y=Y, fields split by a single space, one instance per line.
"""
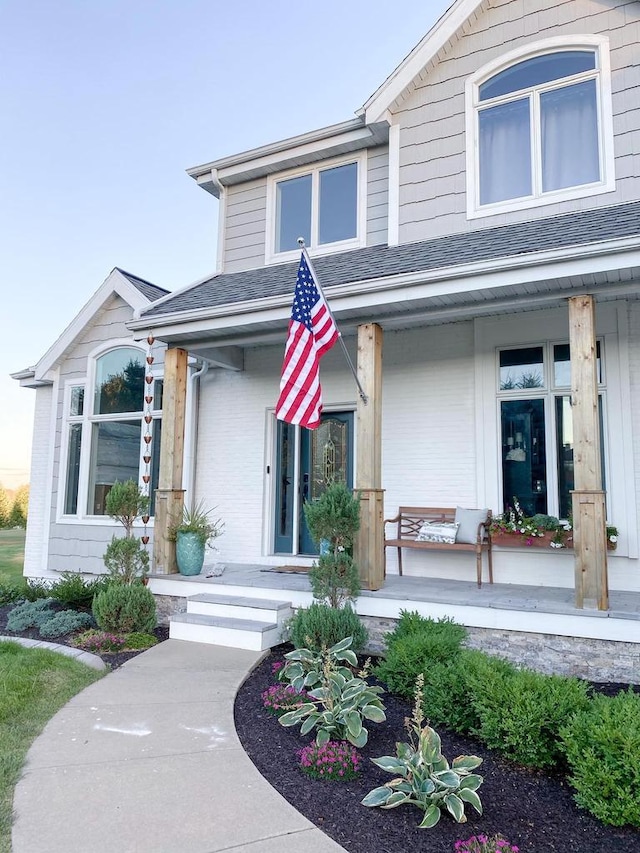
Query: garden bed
x=534 y=810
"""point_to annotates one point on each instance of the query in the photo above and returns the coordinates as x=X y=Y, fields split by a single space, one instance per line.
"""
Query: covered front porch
x=535 y=610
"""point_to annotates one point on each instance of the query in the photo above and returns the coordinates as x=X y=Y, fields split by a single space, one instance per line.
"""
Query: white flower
x=613 y=538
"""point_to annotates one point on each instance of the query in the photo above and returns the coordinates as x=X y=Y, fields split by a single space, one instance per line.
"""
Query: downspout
x=192 y=433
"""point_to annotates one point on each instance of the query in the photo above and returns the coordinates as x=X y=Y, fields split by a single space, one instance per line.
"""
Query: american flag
x=312 y=332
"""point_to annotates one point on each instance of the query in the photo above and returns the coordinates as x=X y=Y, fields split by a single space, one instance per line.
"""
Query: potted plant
x=192 y=534
x=539 y=531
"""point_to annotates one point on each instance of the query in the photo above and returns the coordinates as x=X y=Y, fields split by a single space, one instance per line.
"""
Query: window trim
x=357 y=242
x=548 y=393
x=602 y=75
x=88 y=419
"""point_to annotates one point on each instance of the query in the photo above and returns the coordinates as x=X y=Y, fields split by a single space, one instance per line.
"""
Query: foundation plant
x=548 y=722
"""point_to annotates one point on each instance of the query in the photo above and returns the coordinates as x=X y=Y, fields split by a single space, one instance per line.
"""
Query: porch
x=507 y=607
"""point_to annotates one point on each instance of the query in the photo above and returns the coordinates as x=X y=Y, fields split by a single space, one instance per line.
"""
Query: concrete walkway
x=147 y=760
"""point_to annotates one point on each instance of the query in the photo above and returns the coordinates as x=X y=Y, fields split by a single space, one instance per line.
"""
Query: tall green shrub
x=320 y=626
x=602 y=744
x=334 y=520
x=125 y=608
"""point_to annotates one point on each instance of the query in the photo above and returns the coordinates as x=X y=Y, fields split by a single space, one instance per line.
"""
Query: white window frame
x=602 y=75
x=88 y=419
x=357 y=242
x=548 y=392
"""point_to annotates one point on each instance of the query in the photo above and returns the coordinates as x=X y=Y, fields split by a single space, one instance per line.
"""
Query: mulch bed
x=531 y=809
x=112 y=659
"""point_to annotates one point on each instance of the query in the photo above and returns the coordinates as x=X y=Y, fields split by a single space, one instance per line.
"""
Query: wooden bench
x=411 y=518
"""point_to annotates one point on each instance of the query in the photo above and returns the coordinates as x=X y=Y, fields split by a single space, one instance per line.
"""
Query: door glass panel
x=523 y=455
x=328 y=456
x=285 y=487
x=521 y=368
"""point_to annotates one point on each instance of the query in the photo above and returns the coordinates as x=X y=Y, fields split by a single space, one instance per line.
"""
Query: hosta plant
x=303 y=667
x=423 y=776
x=340 y=704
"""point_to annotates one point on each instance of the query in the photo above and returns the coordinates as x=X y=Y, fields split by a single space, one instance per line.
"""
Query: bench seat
x=410 y=520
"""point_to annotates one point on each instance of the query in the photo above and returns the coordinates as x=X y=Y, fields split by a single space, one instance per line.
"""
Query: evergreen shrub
x=75 y=592
x=602 y=745
x=30 y=614
x=321 y=626
x=416 y=644
x=124 y=608
x=65 y=622
x=521 y=712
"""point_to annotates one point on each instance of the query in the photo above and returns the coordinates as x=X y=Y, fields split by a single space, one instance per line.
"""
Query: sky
x=103 y=106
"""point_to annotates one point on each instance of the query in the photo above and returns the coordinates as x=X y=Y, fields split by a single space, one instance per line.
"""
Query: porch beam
x=369 y=551
x=170 y=494
x=588 y=497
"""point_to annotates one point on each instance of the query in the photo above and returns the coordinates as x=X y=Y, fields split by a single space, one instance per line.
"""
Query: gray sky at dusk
x=103 y=106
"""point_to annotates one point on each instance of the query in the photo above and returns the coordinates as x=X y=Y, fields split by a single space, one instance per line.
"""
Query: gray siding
x=377 y=195
x=75 y=546
x=432 y=118
x=245 y=226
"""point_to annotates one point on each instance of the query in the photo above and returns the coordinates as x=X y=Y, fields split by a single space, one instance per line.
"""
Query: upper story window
x=540 y=127
x=323 y=205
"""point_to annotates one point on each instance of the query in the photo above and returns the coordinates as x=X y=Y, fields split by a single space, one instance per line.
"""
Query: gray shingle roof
x=557 y=232
x=151 y=291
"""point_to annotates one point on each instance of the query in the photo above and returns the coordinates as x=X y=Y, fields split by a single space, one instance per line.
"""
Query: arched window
x=539 y=125
x=105 y=429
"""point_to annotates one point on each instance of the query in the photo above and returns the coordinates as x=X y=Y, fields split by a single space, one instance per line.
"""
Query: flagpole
x=363 y=396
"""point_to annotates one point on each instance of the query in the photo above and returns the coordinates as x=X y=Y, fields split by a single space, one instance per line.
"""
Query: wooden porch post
x=369 y=551
x=588 y=498
x=170 y=494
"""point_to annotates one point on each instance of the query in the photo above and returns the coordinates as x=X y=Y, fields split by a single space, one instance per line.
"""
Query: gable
x=117 y=290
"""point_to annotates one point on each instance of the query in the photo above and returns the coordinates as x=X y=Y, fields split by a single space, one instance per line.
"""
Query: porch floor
x=541 y=609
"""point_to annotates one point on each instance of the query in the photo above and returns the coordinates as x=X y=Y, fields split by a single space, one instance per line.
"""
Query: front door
x=307 y=461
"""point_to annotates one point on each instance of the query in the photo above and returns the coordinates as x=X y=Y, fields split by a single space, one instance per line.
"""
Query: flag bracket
x=361 y=392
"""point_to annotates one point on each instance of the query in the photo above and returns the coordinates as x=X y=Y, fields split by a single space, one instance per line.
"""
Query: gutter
x=191 y=438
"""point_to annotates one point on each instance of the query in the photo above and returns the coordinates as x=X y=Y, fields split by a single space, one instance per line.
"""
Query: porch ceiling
x=415 y=306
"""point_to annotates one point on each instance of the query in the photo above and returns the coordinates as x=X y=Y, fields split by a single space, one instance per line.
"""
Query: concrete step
x=240 y=607
x=223 y=631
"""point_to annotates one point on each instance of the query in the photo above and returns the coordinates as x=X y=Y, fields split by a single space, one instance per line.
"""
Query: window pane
x=564 y=443
x=73 y=469
x=570 y=148
x=521 y=368
x=155 y=464
x=338 y=203
x=76 y=403
x=119 y=382
x=158 y=390
x=505 y=152
x=536 y=71
x=293 y=213
x=523 y=455
x=562 y=365
x=115 y=455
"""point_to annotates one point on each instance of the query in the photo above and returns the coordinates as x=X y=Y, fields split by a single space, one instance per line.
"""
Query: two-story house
x=476 y=230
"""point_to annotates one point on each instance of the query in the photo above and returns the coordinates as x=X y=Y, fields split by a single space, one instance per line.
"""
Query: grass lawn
x=34 y=684
x=11 y=556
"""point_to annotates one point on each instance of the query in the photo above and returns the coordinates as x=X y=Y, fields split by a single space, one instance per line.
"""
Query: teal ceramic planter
x=189 y=553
